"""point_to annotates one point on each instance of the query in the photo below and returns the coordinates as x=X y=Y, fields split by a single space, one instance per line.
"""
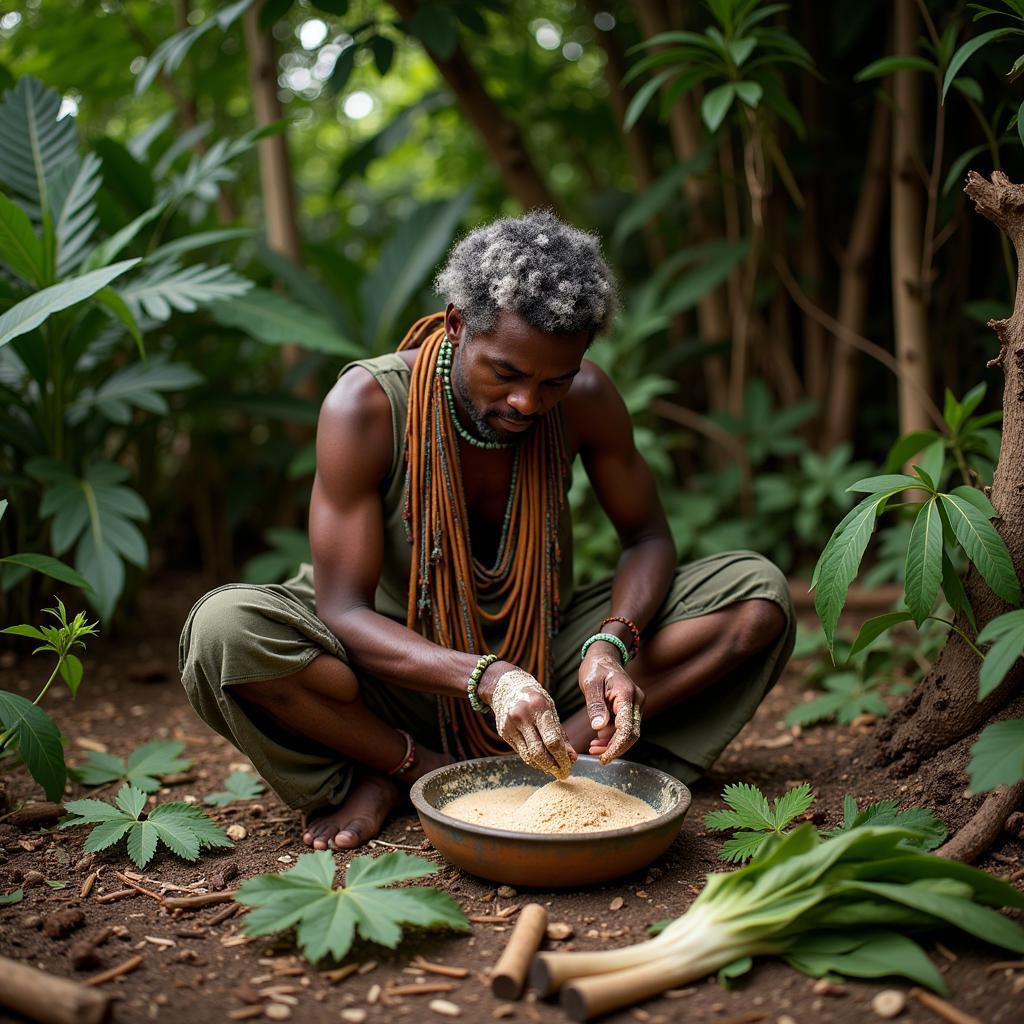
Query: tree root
x=983 y=829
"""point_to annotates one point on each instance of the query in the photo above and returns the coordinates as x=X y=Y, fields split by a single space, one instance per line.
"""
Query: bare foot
x=360 y=816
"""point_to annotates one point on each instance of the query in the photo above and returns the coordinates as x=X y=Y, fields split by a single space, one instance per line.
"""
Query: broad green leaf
x=33 y=142
x=981 y=922
x=907 y=447
x=72 y=189
x=749 y=92
x=1006 y=634
x=37 y=740
x=20 y=247
x=30 y=632
x=28 y=314
x=924 y=561
x=137 y=386
x=887 y=482
x=165 y=287
x=276 y=320
x=49 y=567
x=10 y=898
x=968 y=50
x=327 y=920
x=889 y=65
x=874 y=628
x=875 y=955
x=71 y=671
x=716 y=104
x=997 y=757
x=984 y=547
x=237 y=786
x=933 y=461
x=977 y=498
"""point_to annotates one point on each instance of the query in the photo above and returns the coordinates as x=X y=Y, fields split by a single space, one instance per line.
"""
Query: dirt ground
x=199 y=968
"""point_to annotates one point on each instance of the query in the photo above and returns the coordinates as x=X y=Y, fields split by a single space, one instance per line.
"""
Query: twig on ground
x=120 y=894
x=87 y=885
x=432 y=968
x=195 y=902
x=139 y=888
x=126 y=967
x=426 y=988
x=1005 y=965
x=947 y=1011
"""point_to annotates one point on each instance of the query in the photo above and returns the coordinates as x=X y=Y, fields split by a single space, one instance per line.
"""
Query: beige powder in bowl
x=563 y=806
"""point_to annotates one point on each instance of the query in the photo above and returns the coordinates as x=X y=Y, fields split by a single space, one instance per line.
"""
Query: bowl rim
x=426 y=809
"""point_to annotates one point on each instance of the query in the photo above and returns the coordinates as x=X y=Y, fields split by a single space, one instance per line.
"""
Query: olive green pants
x=243 y=633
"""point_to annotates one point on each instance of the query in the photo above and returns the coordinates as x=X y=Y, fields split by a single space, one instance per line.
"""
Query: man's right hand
x=526 y=718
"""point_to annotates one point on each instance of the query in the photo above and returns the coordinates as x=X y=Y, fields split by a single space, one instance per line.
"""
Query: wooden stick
x=87 y=885
x=1005 y=965
x=420 y=990
x=109 y=897
x=195 y=902
x=509 y=973
x=125 y=967
x=947 y=1011
x=448 y=972
x=222 y=915
x=139 y=888
x=46 y=998
x=339 y=973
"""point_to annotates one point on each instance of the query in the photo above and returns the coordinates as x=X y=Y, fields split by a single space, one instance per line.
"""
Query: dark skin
x=512 y=375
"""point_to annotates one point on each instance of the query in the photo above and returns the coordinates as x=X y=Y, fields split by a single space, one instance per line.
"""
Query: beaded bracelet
x=631 y=626
x=609 y=638
x=474 y=701
x=410 y=755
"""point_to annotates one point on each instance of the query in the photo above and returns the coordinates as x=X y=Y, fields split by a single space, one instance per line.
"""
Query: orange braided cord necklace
x=448 y=588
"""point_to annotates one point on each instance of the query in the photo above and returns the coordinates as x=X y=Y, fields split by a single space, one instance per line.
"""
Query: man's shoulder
x=592 y=406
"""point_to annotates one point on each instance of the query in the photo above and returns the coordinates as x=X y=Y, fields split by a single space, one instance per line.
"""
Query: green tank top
x=393 y=375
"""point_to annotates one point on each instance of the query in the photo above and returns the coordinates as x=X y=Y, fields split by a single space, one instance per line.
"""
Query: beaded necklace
x=448 y=587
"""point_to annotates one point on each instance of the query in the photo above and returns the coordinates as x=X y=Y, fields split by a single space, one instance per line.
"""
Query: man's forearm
x=642 y=579
x=380 y=647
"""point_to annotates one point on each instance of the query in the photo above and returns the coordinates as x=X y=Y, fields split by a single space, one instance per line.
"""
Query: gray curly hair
x=550 y=274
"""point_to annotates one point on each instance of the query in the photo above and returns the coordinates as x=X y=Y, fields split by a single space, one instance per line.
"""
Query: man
x=441 y=583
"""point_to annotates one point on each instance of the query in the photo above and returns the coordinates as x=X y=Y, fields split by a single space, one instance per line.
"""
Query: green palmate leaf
x=743 y=845
x=931 y=831
x=182 y=827
x=874 y=628
x=328 y=919
x=20 y=248
x=141 y=770
x=37 y=740
x=997 y=757
x=750 y=806
x=28 y=314
x=924 y=561
x=791 y=805
x=237 y=786
x=138 y=386
x=983 y=545
x=1006 y=634
x=276 y=320
x=840 y=561
x=49 y=567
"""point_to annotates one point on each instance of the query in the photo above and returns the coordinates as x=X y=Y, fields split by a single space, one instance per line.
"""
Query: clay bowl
x=540 y=859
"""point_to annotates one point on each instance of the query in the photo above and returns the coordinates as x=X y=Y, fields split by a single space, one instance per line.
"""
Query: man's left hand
x=606 y=685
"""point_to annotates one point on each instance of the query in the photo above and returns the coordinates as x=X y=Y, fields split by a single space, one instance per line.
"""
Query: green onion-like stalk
x=826 y=906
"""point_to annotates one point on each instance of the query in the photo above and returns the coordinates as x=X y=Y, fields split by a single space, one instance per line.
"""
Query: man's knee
x=757 y=625
x=220 y=625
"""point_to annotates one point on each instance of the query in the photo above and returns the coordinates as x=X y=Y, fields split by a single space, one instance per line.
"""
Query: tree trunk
x=501 y=136
x=639 y=150
x=944 y=707
x=855 y=280
x=713 y=320
x=907 y=230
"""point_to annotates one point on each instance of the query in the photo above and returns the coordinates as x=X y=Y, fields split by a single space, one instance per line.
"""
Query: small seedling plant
x=24 y=726
x=754 y=819
x=142 y=768
x=946 y=523
x=326 y=920
x=183 y=828
x=930 y=831
x=237 y=786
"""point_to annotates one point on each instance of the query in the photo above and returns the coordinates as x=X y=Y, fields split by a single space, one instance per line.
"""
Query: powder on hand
x=563 y=806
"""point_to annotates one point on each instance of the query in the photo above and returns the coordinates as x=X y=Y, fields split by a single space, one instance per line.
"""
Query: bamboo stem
x=509 y=973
